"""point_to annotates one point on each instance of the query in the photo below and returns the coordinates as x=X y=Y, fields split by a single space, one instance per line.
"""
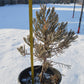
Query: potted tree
x=49 y=39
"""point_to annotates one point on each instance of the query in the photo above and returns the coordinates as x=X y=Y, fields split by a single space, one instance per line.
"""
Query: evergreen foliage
x=50 y=37
x=4 y=2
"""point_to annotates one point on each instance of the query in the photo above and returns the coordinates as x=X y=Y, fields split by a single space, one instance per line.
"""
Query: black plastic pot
x=25 y=75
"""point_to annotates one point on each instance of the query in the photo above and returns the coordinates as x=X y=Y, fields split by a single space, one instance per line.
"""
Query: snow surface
x=14 y=26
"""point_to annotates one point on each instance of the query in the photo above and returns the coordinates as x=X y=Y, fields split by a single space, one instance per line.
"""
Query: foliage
x=4 y=2
x=50 y=37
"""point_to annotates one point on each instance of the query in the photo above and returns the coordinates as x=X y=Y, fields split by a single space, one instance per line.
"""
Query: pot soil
x=25 y=76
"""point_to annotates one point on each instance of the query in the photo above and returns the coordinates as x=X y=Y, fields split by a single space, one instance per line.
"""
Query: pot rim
x=50 y=70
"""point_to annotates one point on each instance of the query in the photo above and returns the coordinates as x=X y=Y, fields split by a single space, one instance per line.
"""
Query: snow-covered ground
x=14 y=25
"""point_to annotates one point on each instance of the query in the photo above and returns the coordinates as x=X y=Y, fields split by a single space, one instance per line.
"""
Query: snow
x=14 y=25
x=68 y=9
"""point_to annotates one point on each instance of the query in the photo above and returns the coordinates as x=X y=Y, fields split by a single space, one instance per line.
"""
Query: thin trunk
x=80 y=17
x=74 y=8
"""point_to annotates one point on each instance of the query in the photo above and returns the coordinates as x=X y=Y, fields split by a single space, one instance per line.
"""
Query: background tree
x=11 y=2
x=2 y=2
x=34 y=1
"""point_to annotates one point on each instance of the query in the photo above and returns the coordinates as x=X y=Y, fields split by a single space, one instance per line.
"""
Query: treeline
x=52 y=1
x=4 y=2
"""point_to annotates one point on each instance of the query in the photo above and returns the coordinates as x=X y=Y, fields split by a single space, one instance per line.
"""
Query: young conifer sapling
x=50 y=38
